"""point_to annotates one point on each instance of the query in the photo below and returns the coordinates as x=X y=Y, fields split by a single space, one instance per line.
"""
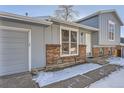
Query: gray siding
x=52 y=34
x=38 y=46
x=93 y=22
x=103 y=40
x=95 y=38
x=38 y=58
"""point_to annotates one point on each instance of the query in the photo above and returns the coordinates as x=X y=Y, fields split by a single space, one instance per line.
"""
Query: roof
x=23 y=18
x=101 y=12
x=53 y=19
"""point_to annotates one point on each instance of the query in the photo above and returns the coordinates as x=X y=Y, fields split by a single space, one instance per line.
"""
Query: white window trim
x=112 y=23
x=69 y=29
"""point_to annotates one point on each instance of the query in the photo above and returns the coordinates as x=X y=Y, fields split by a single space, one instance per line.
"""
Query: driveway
x=22 y=80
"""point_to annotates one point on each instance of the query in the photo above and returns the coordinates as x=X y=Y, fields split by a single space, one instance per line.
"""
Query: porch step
x=98 y=60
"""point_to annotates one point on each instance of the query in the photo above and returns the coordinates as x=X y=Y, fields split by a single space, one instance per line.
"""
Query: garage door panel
x=10 y=41
x=12 y=63
x=7 y=70
x=13 y=60
x=12 y=45
x=12 y=34
x=13 y=52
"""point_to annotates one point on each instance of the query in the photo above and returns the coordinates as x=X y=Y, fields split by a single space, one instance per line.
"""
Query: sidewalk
x=84 y=80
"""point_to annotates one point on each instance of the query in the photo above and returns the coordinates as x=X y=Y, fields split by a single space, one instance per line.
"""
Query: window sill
x=69 y=55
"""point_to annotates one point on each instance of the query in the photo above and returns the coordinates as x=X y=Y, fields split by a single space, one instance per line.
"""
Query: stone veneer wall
x=96 y=50
x=53 y=55
x=113 y=51
x=106 y=51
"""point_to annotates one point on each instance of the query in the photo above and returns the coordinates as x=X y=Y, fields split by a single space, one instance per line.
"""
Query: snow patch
x=114 y=80
x=45 y=78
x=116 y=60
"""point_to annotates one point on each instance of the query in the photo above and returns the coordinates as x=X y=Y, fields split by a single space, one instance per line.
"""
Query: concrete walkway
x=22 y=80
x=86 y=79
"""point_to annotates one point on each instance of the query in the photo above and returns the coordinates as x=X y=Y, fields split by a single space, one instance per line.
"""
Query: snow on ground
x=45 y=78
x=114 y=80
x=116 y=60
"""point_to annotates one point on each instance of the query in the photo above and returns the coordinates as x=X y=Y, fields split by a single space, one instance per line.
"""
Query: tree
x=66 y=12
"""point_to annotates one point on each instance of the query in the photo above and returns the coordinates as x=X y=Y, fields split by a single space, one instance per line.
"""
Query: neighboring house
x=104 y=41
x=27 y=43
x=46 y=42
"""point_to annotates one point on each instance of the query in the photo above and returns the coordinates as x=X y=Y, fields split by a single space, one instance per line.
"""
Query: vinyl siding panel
x=95 y=38
x=52 y=34
x=103 y=40
x=38 y=47
x=93 y=22
x=55 y=34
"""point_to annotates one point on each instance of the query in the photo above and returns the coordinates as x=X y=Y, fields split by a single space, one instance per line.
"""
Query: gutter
x=23 y=18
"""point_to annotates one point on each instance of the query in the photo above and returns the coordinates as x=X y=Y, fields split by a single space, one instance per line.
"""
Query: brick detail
x=82 y=52
x=106 y=51
x=95 y=52
x=53 y=55
x=114 y=51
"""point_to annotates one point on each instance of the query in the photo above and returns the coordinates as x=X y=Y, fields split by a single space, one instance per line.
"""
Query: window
x=65 y=42
x=111 y=30
x=73 y=42
x=69 y=42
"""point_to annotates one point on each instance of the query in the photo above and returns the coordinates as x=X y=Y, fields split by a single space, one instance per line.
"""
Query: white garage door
x=13 y=52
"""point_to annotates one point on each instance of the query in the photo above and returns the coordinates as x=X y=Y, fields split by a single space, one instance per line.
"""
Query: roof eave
x=23 y=18
x=76 y=24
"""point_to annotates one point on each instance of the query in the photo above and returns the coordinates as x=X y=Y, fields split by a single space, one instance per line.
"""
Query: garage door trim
x=29 y=40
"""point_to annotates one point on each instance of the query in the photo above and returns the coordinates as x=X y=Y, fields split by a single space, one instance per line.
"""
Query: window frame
x=70 y=30
x=113 y=24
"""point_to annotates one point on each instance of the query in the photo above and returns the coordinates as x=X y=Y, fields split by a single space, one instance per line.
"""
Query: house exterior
x=106 y=40
x=72 y=51
x=27 y=43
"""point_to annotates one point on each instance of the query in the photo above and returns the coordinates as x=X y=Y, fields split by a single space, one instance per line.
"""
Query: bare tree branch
x=66 y=12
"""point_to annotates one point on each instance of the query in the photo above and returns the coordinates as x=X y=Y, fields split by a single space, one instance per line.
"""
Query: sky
x=46 y=10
